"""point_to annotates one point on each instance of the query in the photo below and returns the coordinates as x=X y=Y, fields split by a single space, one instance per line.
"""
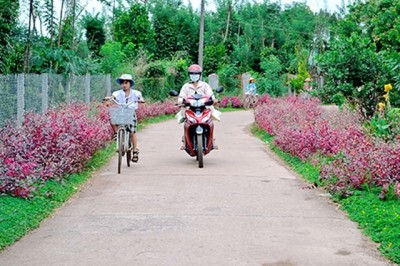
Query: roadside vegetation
x=19 y=214
x=334 y=150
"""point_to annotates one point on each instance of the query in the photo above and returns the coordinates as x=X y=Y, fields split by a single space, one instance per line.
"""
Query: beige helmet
x=307 y=80
x=126 y=77
x=252 y=79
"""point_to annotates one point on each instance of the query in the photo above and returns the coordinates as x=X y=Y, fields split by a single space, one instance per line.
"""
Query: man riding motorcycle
x=196 y=85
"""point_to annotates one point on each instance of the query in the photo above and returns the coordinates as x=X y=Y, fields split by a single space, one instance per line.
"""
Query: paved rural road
x=243 y=208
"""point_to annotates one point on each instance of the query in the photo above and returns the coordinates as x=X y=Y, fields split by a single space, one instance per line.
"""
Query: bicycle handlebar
x=121 y=104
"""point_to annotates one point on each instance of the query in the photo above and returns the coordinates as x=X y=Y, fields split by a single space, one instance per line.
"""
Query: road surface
x=243 y=208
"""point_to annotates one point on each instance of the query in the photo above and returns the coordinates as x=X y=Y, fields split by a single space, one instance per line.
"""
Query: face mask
x=194 y=77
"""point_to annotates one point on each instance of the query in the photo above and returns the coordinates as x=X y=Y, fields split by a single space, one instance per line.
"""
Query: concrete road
x=243 y=208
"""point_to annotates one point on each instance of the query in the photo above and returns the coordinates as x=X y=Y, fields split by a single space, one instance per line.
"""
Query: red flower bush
x=232 y=101
x=302 y=128
x=55 y=144
x=156 y=109
x=224 y=102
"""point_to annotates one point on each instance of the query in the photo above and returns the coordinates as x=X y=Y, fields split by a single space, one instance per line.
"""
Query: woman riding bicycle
x=124 y=96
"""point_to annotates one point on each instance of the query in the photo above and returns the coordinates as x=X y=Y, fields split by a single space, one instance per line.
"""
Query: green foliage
x=49 y=17
x=363 y=54
x=379 y=219
x=176 y=29
x=214 y=56
x=228 y=79
x=160 y=76
x=113 y=58
x=95 y=33
x=8 y=20
x=385 y=125
x=271 y=80
x=339 y=99
x=297 y=83
x=133 y=27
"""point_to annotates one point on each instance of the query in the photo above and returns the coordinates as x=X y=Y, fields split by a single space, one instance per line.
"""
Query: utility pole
x=201 y=39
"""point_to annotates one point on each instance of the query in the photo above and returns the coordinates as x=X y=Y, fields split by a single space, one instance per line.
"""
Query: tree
x=8 y=21
x=133 y=27
x=95 y=33
x=363 y=54
x=113 y=57
x=176 y=29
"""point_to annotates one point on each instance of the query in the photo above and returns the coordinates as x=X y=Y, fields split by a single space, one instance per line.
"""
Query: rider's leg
x=114 y=128
x=134 y=141
x=135 y=150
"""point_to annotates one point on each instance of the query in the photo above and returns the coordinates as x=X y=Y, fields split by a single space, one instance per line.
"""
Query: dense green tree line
x=156 y=40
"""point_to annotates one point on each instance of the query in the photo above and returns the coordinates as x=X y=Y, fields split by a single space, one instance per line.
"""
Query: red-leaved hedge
x=58 y=143
x=302 y=127
x=231 y=101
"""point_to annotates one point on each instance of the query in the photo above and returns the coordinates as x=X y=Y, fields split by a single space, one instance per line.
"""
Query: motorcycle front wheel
x=200 y=150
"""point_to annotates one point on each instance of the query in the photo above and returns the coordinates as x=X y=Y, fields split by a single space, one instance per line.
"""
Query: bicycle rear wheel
x=120 y=147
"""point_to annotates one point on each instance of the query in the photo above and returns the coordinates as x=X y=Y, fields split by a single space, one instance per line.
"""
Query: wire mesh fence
x=36 y=93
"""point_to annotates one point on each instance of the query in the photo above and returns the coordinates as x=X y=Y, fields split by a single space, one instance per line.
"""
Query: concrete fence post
x=213 y=81
x=20 y=98
x=68 y=88
x=45 y=92
x=87 y=88
x=245 y=81
x=108 y=84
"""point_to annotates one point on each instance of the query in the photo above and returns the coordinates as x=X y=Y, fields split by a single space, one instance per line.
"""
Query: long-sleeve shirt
x=202 y=88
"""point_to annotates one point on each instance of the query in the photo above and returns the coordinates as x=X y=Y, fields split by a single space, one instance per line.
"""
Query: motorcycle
x=198 y=125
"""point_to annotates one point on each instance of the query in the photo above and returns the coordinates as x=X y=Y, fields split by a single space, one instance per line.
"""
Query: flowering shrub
x=303 y=128
x=156 y=109
x=224 y=102
x=55 y=144
x=232 y=101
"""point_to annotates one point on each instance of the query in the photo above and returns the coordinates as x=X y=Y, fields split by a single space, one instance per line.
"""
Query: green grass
x=379 y=219
x=19 y=216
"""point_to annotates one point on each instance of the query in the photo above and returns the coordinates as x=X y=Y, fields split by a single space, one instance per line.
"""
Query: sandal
x=135 y=156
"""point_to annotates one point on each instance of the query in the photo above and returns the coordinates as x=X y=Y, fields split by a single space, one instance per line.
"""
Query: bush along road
x=332 y=148
x=44 y=162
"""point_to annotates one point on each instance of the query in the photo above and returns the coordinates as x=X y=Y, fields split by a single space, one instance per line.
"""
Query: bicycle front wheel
x=120 y=147
x=129 y=153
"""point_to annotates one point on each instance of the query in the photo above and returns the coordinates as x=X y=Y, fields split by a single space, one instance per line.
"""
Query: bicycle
x=124 y=117
x=250 y=100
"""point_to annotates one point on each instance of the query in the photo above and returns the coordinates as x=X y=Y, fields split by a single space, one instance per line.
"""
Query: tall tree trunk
x=52 y=26
x=74 y=16
x=201 y=39
x=27 y=50
x=228 y=20
x=113 y=20
x=60 y=27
